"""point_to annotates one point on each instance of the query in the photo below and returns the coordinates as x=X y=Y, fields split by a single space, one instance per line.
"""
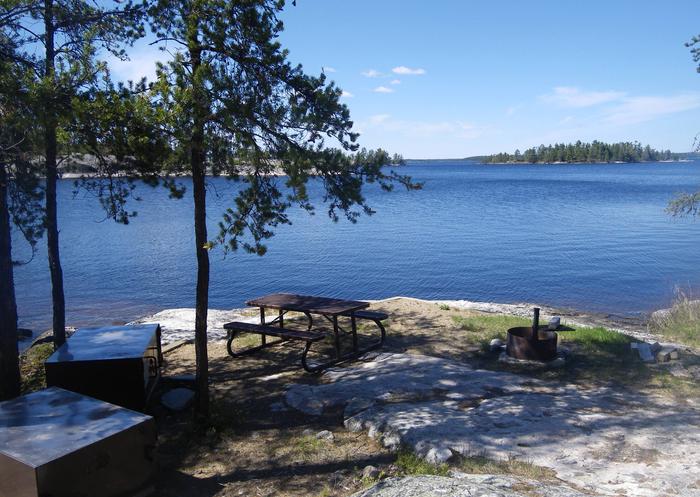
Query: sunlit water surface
x=591 y=237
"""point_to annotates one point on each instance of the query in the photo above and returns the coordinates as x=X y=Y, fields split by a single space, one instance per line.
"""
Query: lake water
x=591 y=237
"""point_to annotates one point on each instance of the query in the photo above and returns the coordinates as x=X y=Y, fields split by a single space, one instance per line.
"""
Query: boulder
x=177 y=399
x=667 y=354
x=644 y=350
x=370 y=472
x=325 y=435
x=496 y=345
x=24 y=333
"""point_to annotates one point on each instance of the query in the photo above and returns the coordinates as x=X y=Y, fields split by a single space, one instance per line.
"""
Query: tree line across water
x=595 y=151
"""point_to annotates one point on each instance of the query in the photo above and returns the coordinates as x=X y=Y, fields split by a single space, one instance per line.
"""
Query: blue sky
x=447 y=79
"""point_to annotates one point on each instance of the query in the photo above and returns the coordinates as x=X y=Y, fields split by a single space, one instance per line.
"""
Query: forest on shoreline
x=595 y=151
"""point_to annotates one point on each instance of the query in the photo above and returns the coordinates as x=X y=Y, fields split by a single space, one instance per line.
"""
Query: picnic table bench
x=329 y=308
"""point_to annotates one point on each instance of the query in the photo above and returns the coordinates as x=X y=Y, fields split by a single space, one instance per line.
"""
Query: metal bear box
x=62 y=444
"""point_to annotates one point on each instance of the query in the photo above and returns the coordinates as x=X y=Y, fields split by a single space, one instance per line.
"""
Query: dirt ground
x=253 y=445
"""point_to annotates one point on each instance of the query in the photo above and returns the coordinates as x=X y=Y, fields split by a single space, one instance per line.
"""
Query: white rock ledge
x=603 y=440
x=463 y=485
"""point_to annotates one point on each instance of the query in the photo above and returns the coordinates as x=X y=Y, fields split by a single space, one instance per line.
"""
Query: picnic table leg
x=281 y=318
x=262 y=321
x=336 y=335
x=311 y=320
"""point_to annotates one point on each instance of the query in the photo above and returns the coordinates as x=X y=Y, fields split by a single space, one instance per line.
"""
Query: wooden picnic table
x=329 y=308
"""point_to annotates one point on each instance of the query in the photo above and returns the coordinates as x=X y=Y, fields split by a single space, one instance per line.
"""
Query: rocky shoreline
x=633 y=326
x=178 y=324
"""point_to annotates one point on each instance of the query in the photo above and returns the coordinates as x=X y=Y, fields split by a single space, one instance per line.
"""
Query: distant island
x=579 y=152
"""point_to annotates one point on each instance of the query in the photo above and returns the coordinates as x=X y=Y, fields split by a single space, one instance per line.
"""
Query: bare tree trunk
x=200 y=231
x=9 y=357
x=202 y=297
x=57 y=295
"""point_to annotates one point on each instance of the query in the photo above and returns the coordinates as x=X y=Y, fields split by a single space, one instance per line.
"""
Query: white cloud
x=419 y=130
x=395 y=82
x=141 y=63
x=371 y=73
x=646 y=108
x=573 y=97
x=566 y=120
x=379 y=118
x=383 y=89
x=347 y=94
x=328 y=69
x=408 y=70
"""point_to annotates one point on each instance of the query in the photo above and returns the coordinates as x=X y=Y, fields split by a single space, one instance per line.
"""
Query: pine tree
x=232 y=103
x=20 y=198
x=61 y=54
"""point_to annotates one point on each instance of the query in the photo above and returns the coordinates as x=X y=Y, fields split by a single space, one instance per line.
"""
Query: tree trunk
x=9 y=357
x=57 y=295
x=197 y=164
x=202 y=297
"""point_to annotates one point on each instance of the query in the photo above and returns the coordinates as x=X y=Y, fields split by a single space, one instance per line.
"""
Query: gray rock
x=180 y=378
x=391 y=440
x=496 y=345
x=370 y=472
x=644 y=350
x=24 y=333
x=336 y=477
x=356 y=405
x=557 y=363
x=438 y=455
x=554 y=323
x=325 y=435
x=667 y=354
x=278 y=407
x=439 y=408
x=177 y=399
x=462 y=485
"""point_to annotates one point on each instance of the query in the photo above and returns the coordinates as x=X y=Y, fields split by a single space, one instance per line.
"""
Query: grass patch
x=681 y=323
x=480 y=464
x=31 y=365
x=245 y=340
x=326 y=491
x=410 y=464
x=591 y=345
x=598 y=342
x=444 y=307
x=597 y=355
x=492 y=325
x=307 y=446
x=483 y=329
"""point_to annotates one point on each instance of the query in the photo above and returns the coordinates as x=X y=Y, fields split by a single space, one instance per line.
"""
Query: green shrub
x=31 y=365
x=681 y=322
x=410 y=464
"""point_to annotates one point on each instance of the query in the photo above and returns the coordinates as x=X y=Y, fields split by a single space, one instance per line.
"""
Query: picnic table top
x=308 y=303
